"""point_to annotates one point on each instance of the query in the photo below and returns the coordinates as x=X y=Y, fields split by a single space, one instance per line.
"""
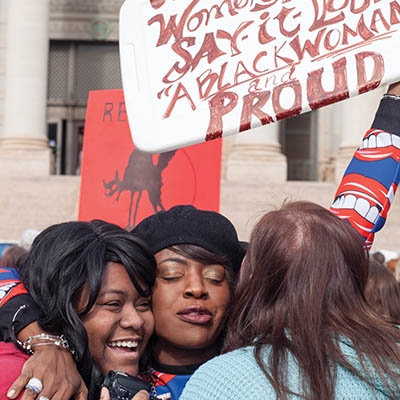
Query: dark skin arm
x=55 y=368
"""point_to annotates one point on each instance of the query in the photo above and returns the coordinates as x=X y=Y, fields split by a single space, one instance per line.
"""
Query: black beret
x=185 y=224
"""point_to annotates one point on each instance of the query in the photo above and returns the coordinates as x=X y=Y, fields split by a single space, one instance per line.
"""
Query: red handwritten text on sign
x=261 y=61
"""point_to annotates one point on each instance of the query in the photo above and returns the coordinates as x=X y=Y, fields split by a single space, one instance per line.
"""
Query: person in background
x=383 y=292
x=11 y=255
x=300 y=326
x=28 y=237
x=377 y=257
x=90 y=283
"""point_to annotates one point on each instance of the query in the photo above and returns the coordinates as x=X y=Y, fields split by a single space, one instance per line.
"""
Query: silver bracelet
x=43 y=339
x=392 y=96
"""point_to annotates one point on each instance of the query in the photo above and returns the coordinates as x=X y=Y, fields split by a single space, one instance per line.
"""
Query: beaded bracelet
x=392 y=96
x=43 y=339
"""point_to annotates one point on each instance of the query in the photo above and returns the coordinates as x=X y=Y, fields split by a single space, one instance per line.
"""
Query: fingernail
x=11 y=393
x=142 y=394
x=102 y=393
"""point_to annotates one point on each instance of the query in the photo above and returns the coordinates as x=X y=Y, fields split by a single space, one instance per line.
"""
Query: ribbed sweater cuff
x=387 y=117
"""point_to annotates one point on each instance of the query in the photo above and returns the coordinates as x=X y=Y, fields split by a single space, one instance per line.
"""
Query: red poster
x=123 y=185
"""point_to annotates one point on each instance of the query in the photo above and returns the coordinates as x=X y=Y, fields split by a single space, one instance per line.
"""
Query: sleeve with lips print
x=370 y=181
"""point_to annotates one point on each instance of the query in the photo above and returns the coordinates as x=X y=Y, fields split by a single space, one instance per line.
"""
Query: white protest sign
x=196 y=70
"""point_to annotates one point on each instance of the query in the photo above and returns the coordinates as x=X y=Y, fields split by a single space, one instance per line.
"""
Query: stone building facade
x=52 y=52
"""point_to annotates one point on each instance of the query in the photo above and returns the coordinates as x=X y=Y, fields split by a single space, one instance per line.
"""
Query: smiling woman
x=120 y=322
x=92 y=282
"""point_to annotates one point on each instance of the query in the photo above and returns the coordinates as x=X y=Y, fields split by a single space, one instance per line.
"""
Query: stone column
x=256 y=157
x=23 y=145
x=352 y=118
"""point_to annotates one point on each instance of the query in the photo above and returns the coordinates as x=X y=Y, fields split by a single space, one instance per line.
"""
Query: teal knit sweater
x=237 y=376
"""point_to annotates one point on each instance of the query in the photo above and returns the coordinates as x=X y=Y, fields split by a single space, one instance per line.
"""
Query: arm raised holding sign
x=369 y=184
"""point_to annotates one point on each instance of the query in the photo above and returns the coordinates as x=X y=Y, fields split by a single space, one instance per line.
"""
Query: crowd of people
x=300 y=311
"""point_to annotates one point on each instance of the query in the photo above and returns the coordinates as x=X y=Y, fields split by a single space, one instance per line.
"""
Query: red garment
x=11 y=363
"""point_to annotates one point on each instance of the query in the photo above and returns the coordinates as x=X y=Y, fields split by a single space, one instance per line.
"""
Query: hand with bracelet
x=91 y=282
x=55 y=368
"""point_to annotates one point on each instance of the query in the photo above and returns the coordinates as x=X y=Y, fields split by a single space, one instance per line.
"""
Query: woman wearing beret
x=198 y=256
